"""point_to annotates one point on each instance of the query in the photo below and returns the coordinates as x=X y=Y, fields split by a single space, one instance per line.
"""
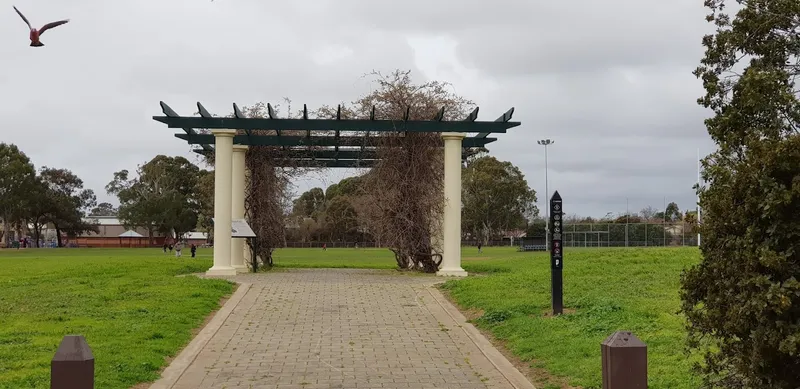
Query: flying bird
x=35 y=34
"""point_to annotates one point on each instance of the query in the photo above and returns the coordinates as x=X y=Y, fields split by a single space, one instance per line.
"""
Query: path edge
x=495 y=357
x=179 y=365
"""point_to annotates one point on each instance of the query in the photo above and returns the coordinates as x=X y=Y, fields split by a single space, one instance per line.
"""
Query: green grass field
x=128 y=304
x=605 y=290
x=134 y=311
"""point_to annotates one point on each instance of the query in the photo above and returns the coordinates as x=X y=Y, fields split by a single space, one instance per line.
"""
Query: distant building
x=112 y=233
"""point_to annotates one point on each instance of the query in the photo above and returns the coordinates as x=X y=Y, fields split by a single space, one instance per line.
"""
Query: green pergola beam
x=505 y=118
x=336 y=125
x=189 y=130
x=330 y=154
x=334 y=163
x=325 y=141
x=340 y=149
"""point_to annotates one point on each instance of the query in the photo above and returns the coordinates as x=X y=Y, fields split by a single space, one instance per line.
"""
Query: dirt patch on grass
x=195 y=331
x=540 y=377
x=471 y=314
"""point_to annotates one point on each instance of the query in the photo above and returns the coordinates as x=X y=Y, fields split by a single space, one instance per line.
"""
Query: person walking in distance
x=178 y=248
x=193 y=250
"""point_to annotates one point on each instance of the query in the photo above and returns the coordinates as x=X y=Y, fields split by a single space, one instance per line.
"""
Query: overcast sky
x=610 y=82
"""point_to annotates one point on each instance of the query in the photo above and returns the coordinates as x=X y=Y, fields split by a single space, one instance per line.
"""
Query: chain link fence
x=629 y=234
x=574 y=235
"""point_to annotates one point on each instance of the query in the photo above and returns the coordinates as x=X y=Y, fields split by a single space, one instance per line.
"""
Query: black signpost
x=556 y=254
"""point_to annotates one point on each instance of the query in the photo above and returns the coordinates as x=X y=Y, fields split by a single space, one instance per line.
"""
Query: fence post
x=73 y=365
x=624 y=360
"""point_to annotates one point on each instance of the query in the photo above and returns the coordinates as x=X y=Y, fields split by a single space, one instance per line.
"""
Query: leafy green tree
x=204 y=193
x=17 y=176
x=673 y=212
x=690 y=221
x=163 y=197
x=495 y=197
x=309 y=204
x=742 y=301
x=103 y=209
x=38 y=207
x=331 y=214
x=350 y=186
x=341 y=220
x=67 y=202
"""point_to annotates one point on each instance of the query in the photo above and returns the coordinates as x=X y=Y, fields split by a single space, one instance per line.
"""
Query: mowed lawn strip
x=128 y=303
x=361 y=258
x=605 y=290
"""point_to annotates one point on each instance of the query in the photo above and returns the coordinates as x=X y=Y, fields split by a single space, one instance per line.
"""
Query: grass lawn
x=128 y=304
x=605 y=290
x=335 y=258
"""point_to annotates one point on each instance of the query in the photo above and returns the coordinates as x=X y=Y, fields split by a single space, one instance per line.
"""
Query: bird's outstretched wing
x=51 y=25
x=23 y=17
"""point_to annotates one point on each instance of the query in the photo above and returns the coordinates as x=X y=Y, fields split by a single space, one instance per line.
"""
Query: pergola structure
x=335 y=142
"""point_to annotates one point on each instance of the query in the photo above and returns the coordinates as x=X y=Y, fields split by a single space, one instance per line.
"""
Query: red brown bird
x=35 y=34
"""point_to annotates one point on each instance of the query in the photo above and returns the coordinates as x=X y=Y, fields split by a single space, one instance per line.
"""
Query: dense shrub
x=743 y=300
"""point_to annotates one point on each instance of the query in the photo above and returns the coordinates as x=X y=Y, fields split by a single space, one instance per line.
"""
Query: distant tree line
x=32 y=200
x=168 y=195
x=496 y=198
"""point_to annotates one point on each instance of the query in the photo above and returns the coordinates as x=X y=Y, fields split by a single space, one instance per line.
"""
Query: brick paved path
x=340 y=329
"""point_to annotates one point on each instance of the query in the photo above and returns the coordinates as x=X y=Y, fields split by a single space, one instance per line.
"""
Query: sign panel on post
x=556 y=253
x=240 y=229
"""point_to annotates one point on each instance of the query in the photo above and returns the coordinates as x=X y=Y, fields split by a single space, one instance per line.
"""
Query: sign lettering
x=556 y=253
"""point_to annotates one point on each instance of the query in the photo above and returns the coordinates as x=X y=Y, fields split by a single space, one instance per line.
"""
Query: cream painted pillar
x=223 y=161
x=237 y=205
x=437 y=230
x=451 y=260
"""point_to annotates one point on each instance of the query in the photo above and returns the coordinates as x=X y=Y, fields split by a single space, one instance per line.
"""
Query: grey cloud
x=531 y=37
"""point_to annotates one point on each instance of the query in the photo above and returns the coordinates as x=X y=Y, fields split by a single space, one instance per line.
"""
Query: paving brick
x=323 y=328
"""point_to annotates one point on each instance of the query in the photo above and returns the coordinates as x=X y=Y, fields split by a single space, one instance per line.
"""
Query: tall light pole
x=545 y=143
x=698 y=197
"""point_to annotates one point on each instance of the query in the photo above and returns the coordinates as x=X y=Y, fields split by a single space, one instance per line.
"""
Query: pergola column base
x=221 y=271
x=452 y=273
x=241 y=268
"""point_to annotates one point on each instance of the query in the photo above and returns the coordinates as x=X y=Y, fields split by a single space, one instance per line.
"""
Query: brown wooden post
x=624 y=359
x=73 y=365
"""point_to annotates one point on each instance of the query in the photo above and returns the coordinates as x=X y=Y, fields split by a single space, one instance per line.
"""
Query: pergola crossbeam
x=203 y=111
x=237 y=113
x=334 y=145
x=370 y=154
x=331 y=141
x=439 y=115
x=473 y=116
x=504 y=118
x=169 y=112
x=342 y=125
